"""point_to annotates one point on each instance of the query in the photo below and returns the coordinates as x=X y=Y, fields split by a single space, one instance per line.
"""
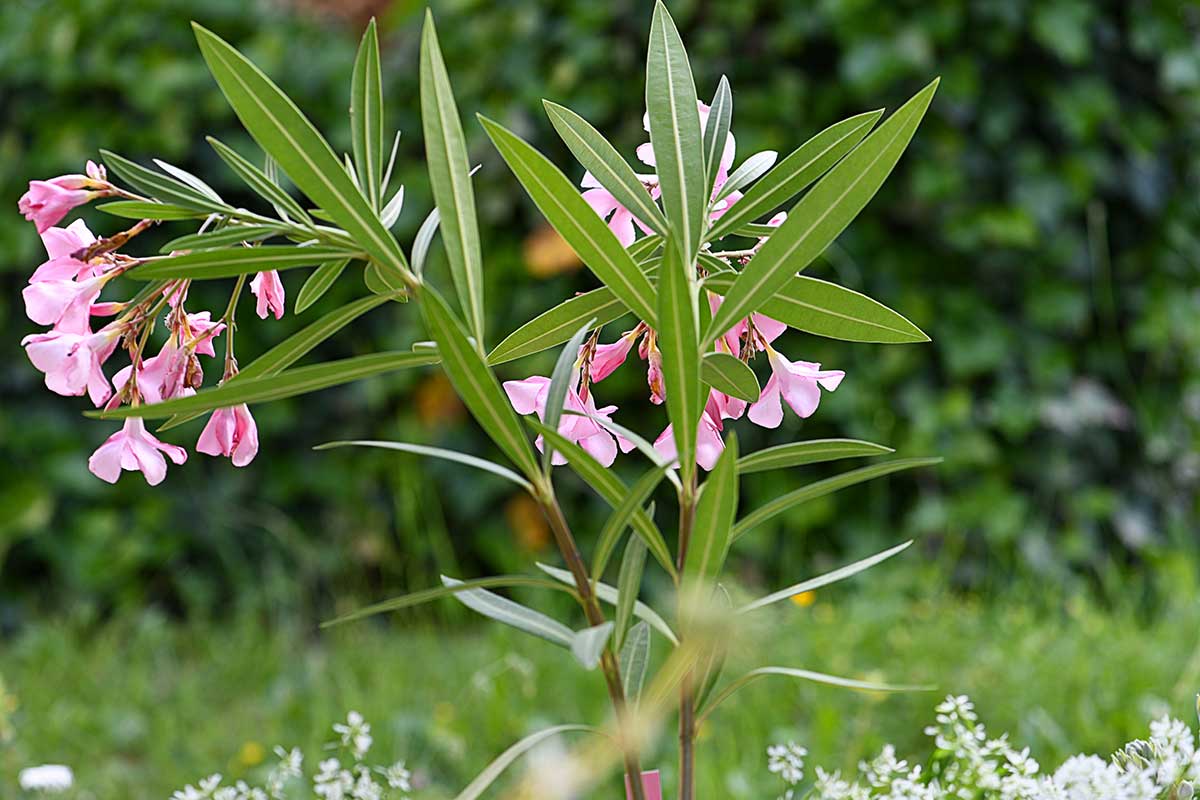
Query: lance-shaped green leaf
x=422 y=241
x=259 y=181
x=812 y=584
x=282 y=130
x=160 y=186
x=318 y=283
x=609 y=594
x=140 y=209
x=366 y=114
x=437 y=452
x=807 y=675
x=629 y=582
x=380 y=281
x=183 y=176
x=814 y=451
x=821 y=215
x=715 y=512
x=513 y=614
x=621 y=515
x=824 y=487
x=609 y=487
x=231 y=234
x=235 y=261
x=579 y=225
x=429 y=595
x=589 y=643
x=600 y=158
x=826 y=309
x=555 y=326
x=449 y=177
x=675 y=132
x=729 y=374
x=560 y=383
x=493 y=771
x=476 y=384
x=298 y=381
x=716 y=131
x=804 y=165
x=635 y=660
x=678 y=332
x=749 y=171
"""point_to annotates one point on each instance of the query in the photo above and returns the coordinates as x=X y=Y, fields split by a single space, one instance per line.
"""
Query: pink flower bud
x=230 y=432
x=267 y=287
x=47 y=202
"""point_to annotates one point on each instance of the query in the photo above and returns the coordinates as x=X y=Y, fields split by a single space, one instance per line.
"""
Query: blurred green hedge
x=1044 y=229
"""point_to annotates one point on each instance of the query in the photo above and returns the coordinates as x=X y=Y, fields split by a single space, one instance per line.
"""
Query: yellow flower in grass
x=251 y=754
x=804 y=599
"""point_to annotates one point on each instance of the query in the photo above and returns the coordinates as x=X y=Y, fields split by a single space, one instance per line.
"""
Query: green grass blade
x=814 y=451
x=366 y=115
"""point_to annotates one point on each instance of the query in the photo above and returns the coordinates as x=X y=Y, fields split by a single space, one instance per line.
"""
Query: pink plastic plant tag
x=651 y=785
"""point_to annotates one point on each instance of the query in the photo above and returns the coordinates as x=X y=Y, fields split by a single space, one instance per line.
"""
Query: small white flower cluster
x=966 y=763
x=334 y=779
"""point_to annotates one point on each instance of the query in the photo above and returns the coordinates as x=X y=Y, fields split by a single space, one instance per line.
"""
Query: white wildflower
x=356 y=734
x=397 y=776
x=787 y=761
x=47 y=778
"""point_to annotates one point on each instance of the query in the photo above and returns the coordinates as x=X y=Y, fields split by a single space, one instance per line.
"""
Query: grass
x=141 y=706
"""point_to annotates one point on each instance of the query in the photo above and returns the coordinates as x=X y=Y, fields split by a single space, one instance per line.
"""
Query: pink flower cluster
x=64 y=294
x=798 y=383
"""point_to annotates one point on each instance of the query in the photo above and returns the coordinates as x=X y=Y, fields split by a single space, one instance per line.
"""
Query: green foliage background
x=1044 y=229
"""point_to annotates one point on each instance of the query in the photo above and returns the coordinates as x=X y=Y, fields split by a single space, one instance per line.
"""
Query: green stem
x=687 y=689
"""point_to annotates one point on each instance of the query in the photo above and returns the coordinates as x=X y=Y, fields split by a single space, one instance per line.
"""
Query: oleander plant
x=698 y=260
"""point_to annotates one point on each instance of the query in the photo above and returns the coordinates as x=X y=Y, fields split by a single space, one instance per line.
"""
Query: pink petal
x=528 y=396
x=768 y=411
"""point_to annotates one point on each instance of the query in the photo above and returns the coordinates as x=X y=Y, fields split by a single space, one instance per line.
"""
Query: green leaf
x=821 y=215
x=750 y=170
x=185 y=177
x=235 y=261
x=513 y=614
x=644 y=247
x=428 y=595
x=622 y=513
x=826 y=309
x=675 y=133
x=446 y=154
x=635 y=660
x=505 y=759
x=437 y=452
x=560 y=383
x=814 y=451
x=729 y=374
x=391 y=211
x=807 y=675
x=230 y=234
x=833 y=576
x=609 y=487
x=366 y=114
x=138 y=209
x=629 y=582
x=380 y=281
x=422 y=241
x=803 y=166
x=261 y=183
x=290 y=383
x=678 y=332
x=159 y=186
x=716 y=131
x=318 y=283
x=824 y=487
x=589 y=643
x=282 y=130
x=576 y=221
x=555 y=326
x=600 y=158
x=715 y=512
x=609 y=594
x=476 y=384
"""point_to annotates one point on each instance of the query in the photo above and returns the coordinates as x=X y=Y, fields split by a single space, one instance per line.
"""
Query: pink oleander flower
x=133 y=448
x=267 y=287
x=709 y=444
x=603 y=203
x=798 y=382
x=72 y=362
x=47 y=202
x=60 y=244
x=160 y=377
x=529 y=397
x=200 y=329
x=65 y=304
x=607 y=357
x=230 y=432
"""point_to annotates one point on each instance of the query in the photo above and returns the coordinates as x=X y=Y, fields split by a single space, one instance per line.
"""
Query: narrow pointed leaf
x=715 y=512
x=183 y=176
x=716 y=131
x=382 y=282
x=635 y=660
x=629 y=582
x=229 y=235
x=807 y=675
x=555 y=326
x=560 y=383
x=493 y=771
x=391 y=211
x=476 y=384
x=159 y=186
x=675 y=132
x=812 y=584
x=366 y=114
x=803 y=166
x=621 y=515
x=318 y=283
x=282 y=130
x=589 y=643
x=601 y=159
x=609 y=594
x=513 y=614
x=139 y=209
x=235 y=261
x=260 y=182
x=422 y=241
x=750 y=170
x=821 y=215
x=436 y=593
x=678 y=333
x=795 y=454
x=824 y=487
x=729 y=374
x=579 y=225
x=436 y=452
x=449 y=177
